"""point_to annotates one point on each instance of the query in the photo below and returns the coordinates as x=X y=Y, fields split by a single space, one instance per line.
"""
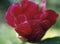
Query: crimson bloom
x=30 y=20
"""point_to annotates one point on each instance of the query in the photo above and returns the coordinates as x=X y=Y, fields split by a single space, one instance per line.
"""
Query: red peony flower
x=29 y=20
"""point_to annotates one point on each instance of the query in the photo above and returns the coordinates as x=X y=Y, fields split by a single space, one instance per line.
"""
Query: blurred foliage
x=4 y=4
x=55 y=40
x=8 y=35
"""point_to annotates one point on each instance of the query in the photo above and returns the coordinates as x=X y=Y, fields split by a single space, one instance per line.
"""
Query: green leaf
x=55 y=40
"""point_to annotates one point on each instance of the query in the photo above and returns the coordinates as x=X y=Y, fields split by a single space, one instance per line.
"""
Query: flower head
x=29 y=20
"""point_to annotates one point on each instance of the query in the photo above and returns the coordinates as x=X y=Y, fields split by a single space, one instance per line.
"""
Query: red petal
x=16 y=9
x=45 y=24
x=52 y=16
x=24 y=5
x=10 y=19
x=20 y=19
x=23 y=29
x=31 y=10
x=12 y=14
